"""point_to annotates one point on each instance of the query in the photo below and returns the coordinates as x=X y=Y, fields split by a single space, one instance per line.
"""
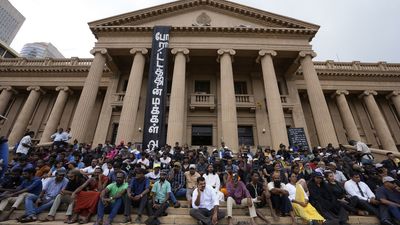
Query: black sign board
x=297 y=136
x=154 y=133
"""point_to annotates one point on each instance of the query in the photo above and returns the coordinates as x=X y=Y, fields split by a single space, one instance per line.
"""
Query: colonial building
x=236 y=74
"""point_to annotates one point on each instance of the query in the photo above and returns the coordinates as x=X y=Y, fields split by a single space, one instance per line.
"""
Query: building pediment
x=204 y=15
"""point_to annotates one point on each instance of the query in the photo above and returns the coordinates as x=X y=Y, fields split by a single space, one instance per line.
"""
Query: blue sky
x=351 y=30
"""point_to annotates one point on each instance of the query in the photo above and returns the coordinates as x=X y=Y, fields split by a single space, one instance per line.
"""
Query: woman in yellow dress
x=300 y=204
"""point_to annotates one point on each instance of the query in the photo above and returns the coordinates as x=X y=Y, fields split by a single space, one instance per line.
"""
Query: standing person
x=301 y=207
x=30 y=185
x=25 y=144
x=280 y=196
x=239 y=195
x=111 y=197
x=75 y=181
x=87 y=196
x=363 y=151
x=35 y=204
x=159 y=203
x=205 y=205
x=138 y=190
x=260 y=194
x=191 y=182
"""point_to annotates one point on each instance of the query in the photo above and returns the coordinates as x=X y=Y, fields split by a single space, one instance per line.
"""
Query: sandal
x=47 y=219
x=28 y=219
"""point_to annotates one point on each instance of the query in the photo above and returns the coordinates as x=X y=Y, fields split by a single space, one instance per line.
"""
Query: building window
x=114 y=133
x=202 y=135
x=240 y=88
x=202 y=86
x=245 y=134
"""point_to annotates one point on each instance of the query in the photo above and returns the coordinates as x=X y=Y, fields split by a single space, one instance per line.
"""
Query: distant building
x=6 y=51
x=11 y=21
x=40 y=50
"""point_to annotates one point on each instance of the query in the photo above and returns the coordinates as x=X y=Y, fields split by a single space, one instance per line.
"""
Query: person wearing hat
x=177 y=179
x=155 y=174
x=159 y=203
x=389 y=196
x=191 y=182
x=35 y=204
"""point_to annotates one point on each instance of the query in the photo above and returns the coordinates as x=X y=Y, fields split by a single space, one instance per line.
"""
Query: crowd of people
x=323 y=185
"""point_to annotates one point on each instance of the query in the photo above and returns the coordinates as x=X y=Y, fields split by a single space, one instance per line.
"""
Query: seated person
x=177 y=180
x=260 y=194
x=30 y=185
x=35 y=204
x=239 y=195
x=11 y=181
x=111 y=197
x=138 y=190
x=191 y=182
x=159 y=203
x=389 y=196
x=213 y=180
x=301 y=207
x=280 y=196
x=205 y=204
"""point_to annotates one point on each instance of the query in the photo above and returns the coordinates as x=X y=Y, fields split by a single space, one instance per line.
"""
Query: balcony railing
x=245 y=102
x=285 y=100
x=118 y=99
x=201 y=100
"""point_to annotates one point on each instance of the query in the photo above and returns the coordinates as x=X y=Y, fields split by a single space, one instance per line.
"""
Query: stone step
x=172 y=219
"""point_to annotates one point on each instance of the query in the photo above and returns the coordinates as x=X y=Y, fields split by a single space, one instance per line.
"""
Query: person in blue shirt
x=30 y=185
x=138 y=190
x=35 y=204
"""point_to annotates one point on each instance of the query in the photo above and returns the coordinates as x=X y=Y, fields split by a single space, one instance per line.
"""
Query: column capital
x=64 y=88
x=264 y=52
x=8 y=88
x=340 y=92
x=35 y=88
x=367 y=93
x=184 y=51
x=142 y=51
x=392 y=94
x=311 y=53
x=102 y=51
x=222 y=52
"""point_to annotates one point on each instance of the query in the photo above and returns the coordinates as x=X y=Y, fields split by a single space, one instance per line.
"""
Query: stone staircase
x=181 y=216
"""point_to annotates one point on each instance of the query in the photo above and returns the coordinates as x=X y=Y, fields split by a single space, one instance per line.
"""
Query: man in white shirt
x=88 y=171
x=60 y=138
x=205 y=204
x=25 y=144
x=363 y=151
x=366 y=198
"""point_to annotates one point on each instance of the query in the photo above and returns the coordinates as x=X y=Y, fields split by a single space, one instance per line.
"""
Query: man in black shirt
x=11 y=181
x=75 y=180
x=260 y=195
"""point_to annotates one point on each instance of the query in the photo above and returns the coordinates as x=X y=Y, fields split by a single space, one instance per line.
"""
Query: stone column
x=347 y=116
x=88 y=96
x=131 y=100
x=378 y=120
x=228 y=100
x=322 y=118
x=25 y=115
x=176 y=115
x=5 y=97
x=394 y=96
x=274 y=105
x=56 y=113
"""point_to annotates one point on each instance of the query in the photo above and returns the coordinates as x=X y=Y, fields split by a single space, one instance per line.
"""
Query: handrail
x=375 y=151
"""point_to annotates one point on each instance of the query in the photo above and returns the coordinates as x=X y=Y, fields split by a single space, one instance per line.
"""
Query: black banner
x=154 y=133
x=297 y=136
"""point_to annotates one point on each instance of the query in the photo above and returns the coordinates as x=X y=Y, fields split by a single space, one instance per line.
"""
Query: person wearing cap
x=35 y=204
x=177 y=179
x=159 y=203
x=391 y=164
x=239 y=195
x=30 y=185
x=205 y=205
x=75 y=180
x=367 y=200
x=322 y=198
x=155 y=174
x=339 y=176
x=138 y=190
x=191 y=182
x=389 y=197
